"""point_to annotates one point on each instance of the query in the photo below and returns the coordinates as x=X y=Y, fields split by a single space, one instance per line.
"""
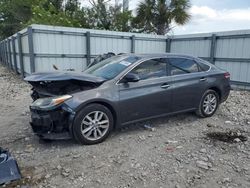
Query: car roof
x=157 y=55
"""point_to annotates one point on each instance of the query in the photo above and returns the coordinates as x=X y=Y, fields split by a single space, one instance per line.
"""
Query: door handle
x=165 y=86
x=203 y=79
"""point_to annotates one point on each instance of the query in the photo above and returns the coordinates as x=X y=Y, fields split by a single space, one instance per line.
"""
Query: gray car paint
x=130 y=102
x=63 y=75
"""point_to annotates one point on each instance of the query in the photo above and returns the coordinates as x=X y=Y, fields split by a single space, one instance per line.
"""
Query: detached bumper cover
x=9 y=170
x=52 y=124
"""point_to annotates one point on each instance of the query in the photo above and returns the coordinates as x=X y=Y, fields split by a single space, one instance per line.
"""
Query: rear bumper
x=52 y=124
x=225 y=93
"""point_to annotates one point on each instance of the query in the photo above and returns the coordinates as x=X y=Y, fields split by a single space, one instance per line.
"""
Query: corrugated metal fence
x=227 y=50
x=39 y=47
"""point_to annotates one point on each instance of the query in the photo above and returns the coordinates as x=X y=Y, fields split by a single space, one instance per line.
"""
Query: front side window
x=153 y=68
x=182 y=66
x=111 y=67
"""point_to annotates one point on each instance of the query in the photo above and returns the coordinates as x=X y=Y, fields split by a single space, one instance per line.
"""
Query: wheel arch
x=105 y=103
x=217 y=90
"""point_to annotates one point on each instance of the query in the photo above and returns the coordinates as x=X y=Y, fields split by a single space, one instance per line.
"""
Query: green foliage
x=121 y=20
x=47 y=13
x=99 y=16
x=103 y=16
x=156 y=16
x=13 y=13
x=71 y=7
x=153 y=16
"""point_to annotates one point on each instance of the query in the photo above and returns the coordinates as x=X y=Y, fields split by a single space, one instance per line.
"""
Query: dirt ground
x=167 y=152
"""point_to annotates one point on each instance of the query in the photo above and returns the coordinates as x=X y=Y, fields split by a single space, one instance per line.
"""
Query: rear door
x=189 y=83
x=151 y=96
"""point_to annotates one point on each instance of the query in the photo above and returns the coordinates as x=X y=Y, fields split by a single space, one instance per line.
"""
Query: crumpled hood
x=63 y=75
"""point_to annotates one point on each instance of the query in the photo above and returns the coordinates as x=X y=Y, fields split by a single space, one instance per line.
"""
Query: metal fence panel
x=25 y=43
x=26 y=63
x=62 y=63
x=199 y=48
x=233 y=48
x=142 y=46
x=43 y=46
x=103 y=45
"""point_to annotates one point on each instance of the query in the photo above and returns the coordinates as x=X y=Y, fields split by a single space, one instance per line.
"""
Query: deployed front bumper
x=52 y=124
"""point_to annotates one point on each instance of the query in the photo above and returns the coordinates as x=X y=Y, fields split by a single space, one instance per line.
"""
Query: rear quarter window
x=203 y=66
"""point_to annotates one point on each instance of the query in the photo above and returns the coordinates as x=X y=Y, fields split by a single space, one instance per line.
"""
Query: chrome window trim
x=135 y=65
x=158 y=57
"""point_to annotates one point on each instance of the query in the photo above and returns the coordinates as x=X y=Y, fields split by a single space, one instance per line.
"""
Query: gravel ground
x=168 y=152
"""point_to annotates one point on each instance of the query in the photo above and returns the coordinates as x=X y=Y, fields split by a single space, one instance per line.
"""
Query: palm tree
x=156 y=16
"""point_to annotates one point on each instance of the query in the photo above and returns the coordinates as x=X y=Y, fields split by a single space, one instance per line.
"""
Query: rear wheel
x=208 y=104
x=93 y=124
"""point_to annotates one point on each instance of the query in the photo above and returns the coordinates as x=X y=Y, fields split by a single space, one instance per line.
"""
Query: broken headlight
x=50 y=102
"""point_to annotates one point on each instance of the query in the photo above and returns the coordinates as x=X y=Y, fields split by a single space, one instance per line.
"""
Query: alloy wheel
x=95 y=125
x=210 y=103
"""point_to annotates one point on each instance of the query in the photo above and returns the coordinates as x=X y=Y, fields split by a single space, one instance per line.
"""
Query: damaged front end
x=51 y=118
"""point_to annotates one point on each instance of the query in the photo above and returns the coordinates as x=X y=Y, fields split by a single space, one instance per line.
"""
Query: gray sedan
x=122 y=90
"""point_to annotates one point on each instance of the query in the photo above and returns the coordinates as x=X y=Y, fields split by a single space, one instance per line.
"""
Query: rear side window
x=151 y=69
x=182 y=66
x=204 y=67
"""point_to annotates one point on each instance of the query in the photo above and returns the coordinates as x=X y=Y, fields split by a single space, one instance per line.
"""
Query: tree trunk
x=161 y=29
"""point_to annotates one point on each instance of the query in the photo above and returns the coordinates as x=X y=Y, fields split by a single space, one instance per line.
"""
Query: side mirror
x=130 y=77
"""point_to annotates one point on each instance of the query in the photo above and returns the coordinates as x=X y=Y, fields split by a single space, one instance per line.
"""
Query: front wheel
x=93 y=124
x=208 y=104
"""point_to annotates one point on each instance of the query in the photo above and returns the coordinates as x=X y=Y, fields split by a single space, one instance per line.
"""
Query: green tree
x=99 y=15
x=103 y=15
x=58 y=5
x=71 y=7
x=121 y=20
x=13 y=14
x=47 y=13
x=156 y=16
x=153 y=16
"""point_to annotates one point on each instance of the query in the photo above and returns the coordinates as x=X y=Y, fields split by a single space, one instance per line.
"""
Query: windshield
x=111 y=67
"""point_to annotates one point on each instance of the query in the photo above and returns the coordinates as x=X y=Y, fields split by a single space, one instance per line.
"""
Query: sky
x=212 y=16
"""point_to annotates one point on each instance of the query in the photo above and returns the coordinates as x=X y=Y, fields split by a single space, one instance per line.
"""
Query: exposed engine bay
x=51 y=84
x=53 y=88
x=64 y=82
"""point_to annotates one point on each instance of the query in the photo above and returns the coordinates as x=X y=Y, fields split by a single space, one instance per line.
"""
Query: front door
x=150 y=96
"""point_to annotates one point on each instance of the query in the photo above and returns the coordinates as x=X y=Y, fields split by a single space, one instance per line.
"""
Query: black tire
x=77 y=125
x=201 y=112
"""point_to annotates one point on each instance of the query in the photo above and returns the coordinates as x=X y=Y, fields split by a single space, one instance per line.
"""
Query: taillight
x=227 y=75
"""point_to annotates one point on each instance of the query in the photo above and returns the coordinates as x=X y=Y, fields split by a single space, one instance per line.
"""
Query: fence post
x=20 y=53
x=14 y=53
x=4 y=60
x=88 y=52
x=6 y=54
x=1 y=52
x=133 y=44
x=9 y=53
x=213 y=49
x=168 y=45
x=31 y=49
